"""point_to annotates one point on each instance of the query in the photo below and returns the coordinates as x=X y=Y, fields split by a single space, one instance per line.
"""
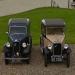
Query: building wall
x=62 y=3
x=54 y=3
x=15 y=6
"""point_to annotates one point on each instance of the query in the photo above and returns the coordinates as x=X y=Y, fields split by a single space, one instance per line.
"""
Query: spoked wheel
x=68 y=59
x=45 y=60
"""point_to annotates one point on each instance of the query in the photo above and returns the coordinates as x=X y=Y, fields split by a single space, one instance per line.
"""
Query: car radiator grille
x=57 y=49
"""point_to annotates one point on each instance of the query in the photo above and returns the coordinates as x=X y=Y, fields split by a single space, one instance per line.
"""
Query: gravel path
x=36 y=67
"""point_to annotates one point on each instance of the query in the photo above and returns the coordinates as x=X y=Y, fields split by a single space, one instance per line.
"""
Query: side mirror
x=6 y=32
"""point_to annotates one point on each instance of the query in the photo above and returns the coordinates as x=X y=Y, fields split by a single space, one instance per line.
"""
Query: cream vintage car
x=52 y=42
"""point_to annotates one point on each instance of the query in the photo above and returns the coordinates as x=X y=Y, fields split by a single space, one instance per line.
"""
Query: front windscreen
x=18 y=30
x=50 y=30
x=17 y=33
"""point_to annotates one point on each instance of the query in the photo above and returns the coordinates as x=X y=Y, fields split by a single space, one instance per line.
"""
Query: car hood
x=56 y=38
x=17 y=37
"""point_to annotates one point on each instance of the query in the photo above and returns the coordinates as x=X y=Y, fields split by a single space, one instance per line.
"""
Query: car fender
x=45 y=50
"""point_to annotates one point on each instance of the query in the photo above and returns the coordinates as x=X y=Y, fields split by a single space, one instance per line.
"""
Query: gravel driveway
x=36 y=67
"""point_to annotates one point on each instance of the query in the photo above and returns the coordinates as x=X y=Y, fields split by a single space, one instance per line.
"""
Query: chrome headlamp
x=66 y=46
x=24 y=45
x=49 y=47
x=7 y=44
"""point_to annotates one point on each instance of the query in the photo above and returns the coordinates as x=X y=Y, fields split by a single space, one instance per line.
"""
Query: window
x=14 y=30
x=54 y=30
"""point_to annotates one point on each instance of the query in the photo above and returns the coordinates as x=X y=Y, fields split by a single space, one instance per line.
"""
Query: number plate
x=56 y=58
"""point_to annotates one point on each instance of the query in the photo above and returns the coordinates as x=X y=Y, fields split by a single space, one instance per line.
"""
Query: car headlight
x=24 y=45
x=7 y=44
x=49 y=47
x=66 y=46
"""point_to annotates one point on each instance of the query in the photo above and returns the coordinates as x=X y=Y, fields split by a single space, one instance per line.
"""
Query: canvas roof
x=19 y=22
x=53 y=22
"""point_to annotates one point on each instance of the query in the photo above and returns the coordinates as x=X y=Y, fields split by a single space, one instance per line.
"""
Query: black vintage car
x=19 y=42
x=52 y=42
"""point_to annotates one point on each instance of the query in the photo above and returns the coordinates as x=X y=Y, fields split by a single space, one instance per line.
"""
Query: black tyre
x=45 y=60
x=6 y=61
x=6 y=55
x=68 y=60
x=28 y=61
x=25 y=61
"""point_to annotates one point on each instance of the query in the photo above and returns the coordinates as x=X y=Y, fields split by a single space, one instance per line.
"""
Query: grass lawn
x=35 y=16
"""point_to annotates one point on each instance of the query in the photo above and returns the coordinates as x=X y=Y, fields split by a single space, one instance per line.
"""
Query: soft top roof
x=53 y=22
x=18 y=22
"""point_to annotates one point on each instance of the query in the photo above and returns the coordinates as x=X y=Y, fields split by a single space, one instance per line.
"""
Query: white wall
x=62 y=3
x=15 y=6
